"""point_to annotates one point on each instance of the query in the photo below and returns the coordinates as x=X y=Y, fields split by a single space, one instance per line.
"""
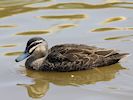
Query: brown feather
x=72 y=57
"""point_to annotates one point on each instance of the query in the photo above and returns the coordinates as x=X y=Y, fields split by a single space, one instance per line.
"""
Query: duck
x=66 y=57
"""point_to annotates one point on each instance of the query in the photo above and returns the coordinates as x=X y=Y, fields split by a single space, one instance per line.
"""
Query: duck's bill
x=22 y=57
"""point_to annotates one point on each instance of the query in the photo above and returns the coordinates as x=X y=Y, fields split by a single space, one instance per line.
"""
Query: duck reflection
x=42 y=79
x=38 y=89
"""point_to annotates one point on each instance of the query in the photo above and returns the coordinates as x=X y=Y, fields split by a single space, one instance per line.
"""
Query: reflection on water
x=37 y=90
x=66 y=26
x=104 y=29
x=114 y=19
x=42 y=79
x=110 y=29
x=8 y=3
x=130 y=28
x=50 y=30
x=7 y=46
x=71 y=17
x=87 y=6
x=7 y=26
x=39 y=32
x=13 y=53
x=10 y=8
x=110 y=1
x=118 y=37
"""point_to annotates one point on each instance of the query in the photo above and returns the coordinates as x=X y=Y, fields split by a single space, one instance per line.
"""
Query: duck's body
x=68 y=57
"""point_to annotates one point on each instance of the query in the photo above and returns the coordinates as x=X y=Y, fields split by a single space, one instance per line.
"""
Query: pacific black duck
x=66 y=57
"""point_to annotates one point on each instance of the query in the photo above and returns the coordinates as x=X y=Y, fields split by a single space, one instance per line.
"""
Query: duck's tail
x=122 y=55
x=114 y=58
x=118 y=56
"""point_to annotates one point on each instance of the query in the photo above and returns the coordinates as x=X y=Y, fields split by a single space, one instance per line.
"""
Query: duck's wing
x=69 y=52
x=66 y=47
x=70 y=57
x=106 y=57
x=72 y=52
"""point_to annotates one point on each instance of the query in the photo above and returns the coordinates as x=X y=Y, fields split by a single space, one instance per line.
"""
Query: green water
x=102 y=23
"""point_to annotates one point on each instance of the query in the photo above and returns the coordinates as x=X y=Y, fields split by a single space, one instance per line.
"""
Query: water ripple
x=118 y=37
x=8 y=10
x=42 y=79
x=8 y=46
x=102 y=29
x=38 y=32
x=13 y=53
x=71 y=17
x=7 y=26
x=114 y=19
x=105 y=29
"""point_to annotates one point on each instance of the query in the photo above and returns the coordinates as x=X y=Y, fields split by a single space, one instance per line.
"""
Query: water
x=103 y=23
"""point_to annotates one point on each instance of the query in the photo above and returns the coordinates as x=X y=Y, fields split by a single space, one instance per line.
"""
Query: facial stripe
x=32 y=49
x=37 y=41
x=29 y=47
x=34 y=39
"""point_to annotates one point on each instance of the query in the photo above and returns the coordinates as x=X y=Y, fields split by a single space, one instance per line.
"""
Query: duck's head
x=36 y=47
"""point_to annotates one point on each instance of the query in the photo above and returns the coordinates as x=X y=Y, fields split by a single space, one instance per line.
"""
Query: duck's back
x=72 y=57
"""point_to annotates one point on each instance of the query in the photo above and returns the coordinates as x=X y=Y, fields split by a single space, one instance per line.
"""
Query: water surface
x=102 y=23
